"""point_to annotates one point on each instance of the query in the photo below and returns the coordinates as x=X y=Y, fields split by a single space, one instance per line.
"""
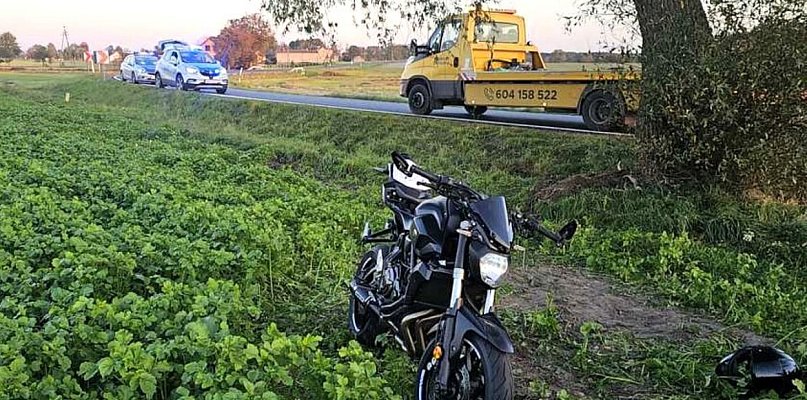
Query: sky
x=136 y=24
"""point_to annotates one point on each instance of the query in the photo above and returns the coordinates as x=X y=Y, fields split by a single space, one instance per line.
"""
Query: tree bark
x=660 y=19
x=674 y=36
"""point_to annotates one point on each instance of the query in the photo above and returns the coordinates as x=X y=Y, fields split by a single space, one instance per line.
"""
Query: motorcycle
x=431 y=281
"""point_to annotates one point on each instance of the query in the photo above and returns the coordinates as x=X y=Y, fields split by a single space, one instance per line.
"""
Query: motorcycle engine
x=387 y=276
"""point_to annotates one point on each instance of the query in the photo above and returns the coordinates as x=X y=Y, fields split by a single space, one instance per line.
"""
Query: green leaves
x=89 y=369
x=729 y=109
x=105 y=367
x=151 y=267
x=147 y=384
x=744 y=288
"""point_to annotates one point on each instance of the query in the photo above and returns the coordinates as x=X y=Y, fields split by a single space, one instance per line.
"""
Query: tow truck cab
x=482 y=58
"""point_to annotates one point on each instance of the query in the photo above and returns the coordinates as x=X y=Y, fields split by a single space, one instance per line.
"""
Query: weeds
x=180 y=227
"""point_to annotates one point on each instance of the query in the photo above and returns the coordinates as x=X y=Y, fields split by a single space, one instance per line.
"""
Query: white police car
x=190 y=69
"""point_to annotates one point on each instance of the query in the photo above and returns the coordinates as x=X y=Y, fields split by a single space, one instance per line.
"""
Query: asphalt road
x=543 y=121
x=547 y=121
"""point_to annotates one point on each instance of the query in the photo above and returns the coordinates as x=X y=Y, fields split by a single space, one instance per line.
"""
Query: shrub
x=733 y=110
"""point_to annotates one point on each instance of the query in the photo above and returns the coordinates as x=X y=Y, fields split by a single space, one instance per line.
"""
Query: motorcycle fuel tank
x=433 y=224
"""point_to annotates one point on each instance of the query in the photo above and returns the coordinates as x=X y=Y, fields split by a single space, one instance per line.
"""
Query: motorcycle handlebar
x=433 y=178
x=533 y=224
x=550 y=235
x=403 y=163
x=446 y=185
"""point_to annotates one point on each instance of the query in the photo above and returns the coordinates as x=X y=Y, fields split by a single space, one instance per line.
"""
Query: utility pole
x=65 y=42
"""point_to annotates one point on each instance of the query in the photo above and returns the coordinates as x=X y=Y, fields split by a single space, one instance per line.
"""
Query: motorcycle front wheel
x=480 y=372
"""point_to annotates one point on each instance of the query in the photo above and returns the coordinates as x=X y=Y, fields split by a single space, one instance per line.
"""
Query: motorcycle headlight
x=192 y=70
x=492 y=268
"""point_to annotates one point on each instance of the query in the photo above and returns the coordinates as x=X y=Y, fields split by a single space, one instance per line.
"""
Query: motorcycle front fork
x=446 y=334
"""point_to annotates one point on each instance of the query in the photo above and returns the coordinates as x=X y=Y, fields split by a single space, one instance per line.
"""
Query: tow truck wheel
x=603 y=111
x=420 y=101
x=476 y=111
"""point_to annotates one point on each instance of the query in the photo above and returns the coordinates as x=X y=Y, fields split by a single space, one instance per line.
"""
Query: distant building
x=208 y=45
x=318 y=56
x=116 y=57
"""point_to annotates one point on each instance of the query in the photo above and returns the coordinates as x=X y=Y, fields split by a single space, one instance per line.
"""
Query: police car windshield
x=196 y=57
x=146 y=60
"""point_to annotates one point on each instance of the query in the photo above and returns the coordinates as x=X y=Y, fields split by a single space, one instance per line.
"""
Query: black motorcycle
x=433 y=281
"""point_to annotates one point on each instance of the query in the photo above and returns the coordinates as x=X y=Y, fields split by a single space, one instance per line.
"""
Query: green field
x=163 y=244
x=373 y=80
x=36 y=66
x=368 y=80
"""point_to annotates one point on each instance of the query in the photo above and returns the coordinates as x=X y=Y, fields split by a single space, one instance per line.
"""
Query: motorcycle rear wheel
x=363 y=323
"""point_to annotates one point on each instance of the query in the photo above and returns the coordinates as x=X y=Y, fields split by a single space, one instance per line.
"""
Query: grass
x=739 y=261
x=36 y=66
x=370 y=81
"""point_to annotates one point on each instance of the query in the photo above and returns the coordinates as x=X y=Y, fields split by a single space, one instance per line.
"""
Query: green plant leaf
x=148 y=384
x=106 y=366
x=88 y=370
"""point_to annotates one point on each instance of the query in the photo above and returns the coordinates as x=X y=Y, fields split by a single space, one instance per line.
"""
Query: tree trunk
x=674 y=35
x=682 y=20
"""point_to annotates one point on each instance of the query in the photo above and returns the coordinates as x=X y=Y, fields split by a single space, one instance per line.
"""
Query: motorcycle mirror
x=401 y=162
x=568 y=230
x=769 y=368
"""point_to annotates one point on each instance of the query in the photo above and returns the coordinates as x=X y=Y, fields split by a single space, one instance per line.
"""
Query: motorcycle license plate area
x=523 y=95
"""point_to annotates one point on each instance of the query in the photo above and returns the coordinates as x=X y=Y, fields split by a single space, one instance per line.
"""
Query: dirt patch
x=575 y=183
x=582 y=297
x=283 y=160
x=557 y=374
x=332 y=73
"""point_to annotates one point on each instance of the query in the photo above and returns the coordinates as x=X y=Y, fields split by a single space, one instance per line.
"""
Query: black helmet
x=765 y=368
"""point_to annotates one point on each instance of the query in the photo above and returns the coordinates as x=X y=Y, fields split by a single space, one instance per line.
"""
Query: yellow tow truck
x=482 y=59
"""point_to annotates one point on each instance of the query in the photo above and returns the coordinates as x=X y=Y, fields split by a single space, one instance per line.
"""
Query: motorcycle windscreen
x=493 y=213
